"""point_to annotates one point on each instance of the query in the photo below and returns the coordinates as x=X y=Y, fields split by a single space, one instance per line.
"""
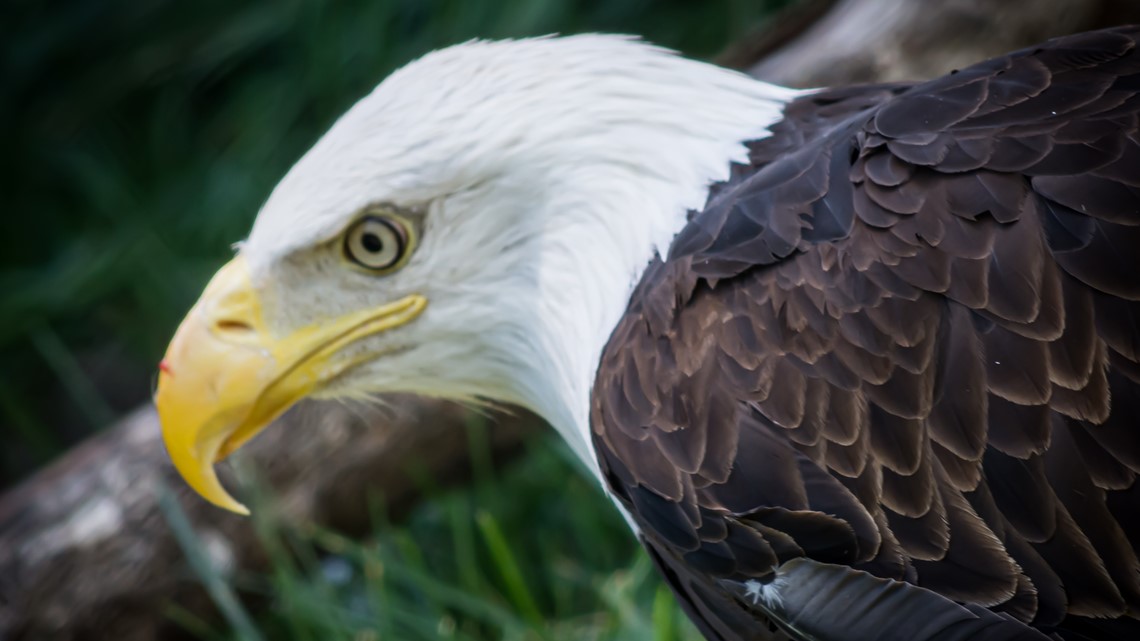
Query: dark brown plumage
x=887 y=384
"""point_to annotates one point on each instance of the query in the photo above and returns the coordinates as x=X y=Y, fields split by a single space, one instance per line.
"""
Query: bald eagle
x=857 y=363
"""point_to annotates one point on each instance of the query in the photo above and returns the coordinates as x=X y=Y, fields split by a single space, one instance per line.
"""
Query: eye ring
x=377 y=242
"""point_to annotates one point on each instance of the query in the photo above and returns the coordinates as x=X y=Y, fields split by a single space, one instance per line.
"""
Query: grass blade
x=219 y=591
x=509 y=571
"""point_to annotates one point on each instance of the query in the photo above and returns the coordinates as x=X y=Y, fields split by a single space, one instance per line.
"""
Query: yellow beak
x=225 y=377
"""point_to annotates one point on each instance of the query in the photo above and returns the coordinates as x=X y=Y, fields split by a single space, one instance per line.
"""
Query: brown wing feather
x=905 y=339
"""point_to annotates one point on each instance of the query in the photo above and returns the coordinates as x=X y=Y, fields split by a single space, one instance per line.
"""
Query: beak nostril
x=230 y=325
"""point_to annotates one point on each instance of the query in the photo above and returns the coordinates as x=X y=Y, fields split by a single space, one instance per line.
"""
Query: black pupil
x=371 y=242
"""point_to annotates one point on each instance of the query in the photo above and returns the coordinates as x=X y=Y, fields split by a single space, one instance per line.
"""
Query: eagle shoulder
x=904 y=341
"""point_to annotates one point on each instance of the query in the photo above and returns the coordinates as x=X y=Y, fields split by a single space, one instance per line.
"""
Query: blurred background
x=140 y=139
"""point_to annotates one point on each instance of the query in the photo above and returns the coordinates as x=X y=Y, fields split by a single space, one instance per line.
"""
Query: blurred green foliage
x=529 y=553
x=141 y=136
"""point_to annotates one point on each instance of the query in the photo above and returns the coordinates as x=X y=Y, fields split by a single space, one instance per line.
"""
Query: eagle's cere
x=855 y=363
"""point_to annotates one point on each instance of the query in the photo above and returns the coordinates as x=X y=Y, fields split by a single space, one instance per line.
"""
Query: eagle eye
x=377 y=242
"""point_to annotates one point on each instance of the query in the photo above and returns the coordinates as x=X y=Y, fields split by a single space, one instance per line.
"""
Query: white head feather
x=548 y=171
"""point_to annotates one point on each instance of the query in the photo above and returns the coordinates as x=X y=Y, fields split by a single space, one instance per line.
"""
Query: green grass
x=535 y=553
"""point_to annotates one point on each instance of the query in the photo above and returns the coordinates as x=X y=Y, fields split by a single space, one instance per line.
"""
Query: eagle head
x=469 y=230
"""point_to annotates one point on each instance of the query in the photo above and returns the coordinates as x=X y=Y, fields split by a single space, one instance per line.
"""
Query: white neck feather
x=604 y=222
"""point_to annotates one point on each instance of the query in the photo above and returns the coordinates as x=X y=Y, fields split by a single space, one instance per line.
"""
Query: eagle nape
x=855 y=363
